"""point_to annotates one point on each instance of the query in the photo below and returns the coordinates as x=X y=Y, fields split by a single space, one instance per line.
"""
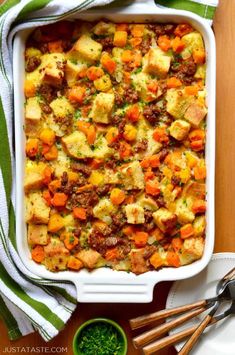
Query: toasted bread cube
x=72 y=72
x=56 y=255
x=157 y=62
x=156 y=260
x=61 y=107
x=37 y=210
x=104 y=28
x=132 y=176
x=195 y=113
x=33 y=176
x=192 y=41
x=76 y=145
x=179 y=129
x=165 y=219
x=199 y=226
x=88 y=48
x=134 y=213
x=89 y=258
x=177 y=102
x=37 y=234
x=140 y=82
x=147 y=202
x=103 y=210
x=184 y=211
x=102 y=107
x=101 y=148
x=200 y=72
x=138 y=262
x=192 y=250
x=103 y=84
x=33 y=110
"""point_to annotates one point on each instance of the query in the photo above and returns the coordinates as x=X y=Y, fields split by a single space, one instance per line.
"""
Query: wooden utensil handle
x=141 y=321
x=168 y=340
x=149 y=335
x=193 y=339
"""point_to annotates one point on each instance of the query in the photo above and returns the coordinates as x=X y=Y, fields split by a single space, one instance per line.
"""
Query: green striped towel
x=27 y=302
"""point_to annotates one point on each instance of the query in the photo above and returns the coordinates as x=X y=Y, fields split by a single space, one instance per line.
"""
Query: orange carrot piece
x=154 y=161
x=79 y=212
x=38 y=253
x=108 y=63
x=199 y=206
x=77 y=94
x=128 y=230
x=56 y=46
x=52 y=154
x=197 y=145
x=191 y=90
x=59 y=199
x=86 y=187
x=140 y=239
x=152 y=188
x=117 y=196
x=94 y=73
x=164 y=43
x=137 y=30
x=149 y=175
x=199 y=56
x=91 y=134
x=186 y=231
x=47 y=197
x=177 y=243
x=47 y=172
x=173 y=82
x=112 y=135
x=74 y=263
x=70 y=241
x=96 y=163
x=145 y=163
x=121 y=26
x=135 y=41
x=177 y=44
x=160 y=135
x=133 y=113
x=54 y=185
x=183 y=29
x=32 y=146
x=29 y=88
x=153 y=87
x=127 y=56
x=199 y=172
x=157 y=233
x=173 y=259
x=47 y=136
x=125 y=150
x=112 y=254
x=120 y=38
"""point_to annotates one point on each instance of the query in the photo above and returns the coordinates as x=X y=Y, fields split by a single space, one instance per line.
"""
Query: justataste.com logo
x=35 y=350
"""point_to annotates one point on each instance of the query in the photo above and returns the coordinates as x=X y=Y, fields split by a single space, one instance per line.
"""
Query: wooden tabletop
x=224 y=27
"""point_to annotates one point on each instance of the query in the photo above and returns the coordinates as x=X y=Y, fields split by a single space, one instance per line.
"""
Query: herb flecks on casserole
x=115 y=137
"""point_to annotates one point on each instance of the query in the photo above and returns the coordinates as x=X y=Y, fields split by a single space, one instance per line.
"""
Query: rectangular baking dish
x=106 y=285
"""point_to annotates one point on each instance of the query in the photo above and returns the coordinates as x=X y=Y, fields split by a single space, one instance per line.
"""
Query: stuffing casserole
x=115 y=137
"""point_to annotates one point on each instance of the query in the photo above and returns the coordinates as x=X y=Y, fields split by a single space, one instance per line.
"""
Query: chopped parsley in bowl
x=100 y=336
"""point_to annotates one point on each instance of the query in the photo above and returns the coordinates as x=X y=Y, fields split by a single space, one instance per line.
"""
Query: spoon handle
x=193 y=339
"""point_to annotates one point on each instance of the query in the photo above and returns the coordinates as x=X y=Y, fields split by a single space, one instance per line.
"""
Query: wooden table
x=224 y=26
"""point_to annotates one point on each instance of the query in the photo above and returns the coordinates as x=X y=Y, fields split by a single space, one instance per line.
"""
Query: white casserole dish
x=106 y=285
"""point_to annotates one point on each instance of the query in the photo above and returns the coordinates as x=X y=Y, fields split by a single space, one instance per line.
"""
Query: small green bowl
x=120 y=331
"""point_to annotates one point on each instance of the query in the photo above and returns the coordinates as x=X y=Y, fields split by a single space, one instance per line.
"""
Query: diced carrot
x=145 y=163
x=76 y=94
x=152 y=188
x=149 y=175
x=38 y=254
x=47 y=172
x=52 y=154
x=59 y=199
x=154 y=161
x=32 y=146
x=74 y=263
x=72 y=176
x=173 y=259
x=140 y=239
x=173 y=82
x=199 y=56
x=79 y=212
x=96 y=163
x=186 y=231
x=112 y=254
x=199 y=206
x=83 y=126
x=47 y=136
x=70 y=241
x=54 y=185
x=157 y=233
x=197 y=134
x=29 y=88
x=56 y=46
x=156 y=260
x=120 y=38
x=45 y=148
x=127 y=56
x=112 y=135
x=137 y=30
x=177 y=243
x=94 y=73
x=199 y=172
x=108 y=63
x=126 y=77
x=56 y=222
x=183 y=29
x=177 y=44
x=129 y=199
x=164 y=43
x=135 y=41
x=91 y=134
x=137 y=60
x=160 y=135
x=153 y=87
x=128 y=230
x=47 y=197
x=125 y=150
x=86 y=187
x=85 y=109
x=191 y=90
x=82 y=73
x=121 y=26
x=130 y=133
x=117 y=196
x=133 y=113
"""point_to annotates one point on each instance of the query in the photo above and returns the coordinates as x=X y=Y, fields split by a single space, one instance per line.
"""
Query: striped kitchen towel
x=27 y=302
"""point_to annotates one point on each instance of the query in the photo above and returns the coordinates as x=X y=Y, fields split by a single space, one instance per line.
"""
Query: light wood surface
x=224 y=26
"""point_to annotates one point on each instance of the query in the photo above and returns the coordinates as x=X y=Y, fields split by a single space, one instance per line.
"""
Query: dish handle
x=97 y=291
